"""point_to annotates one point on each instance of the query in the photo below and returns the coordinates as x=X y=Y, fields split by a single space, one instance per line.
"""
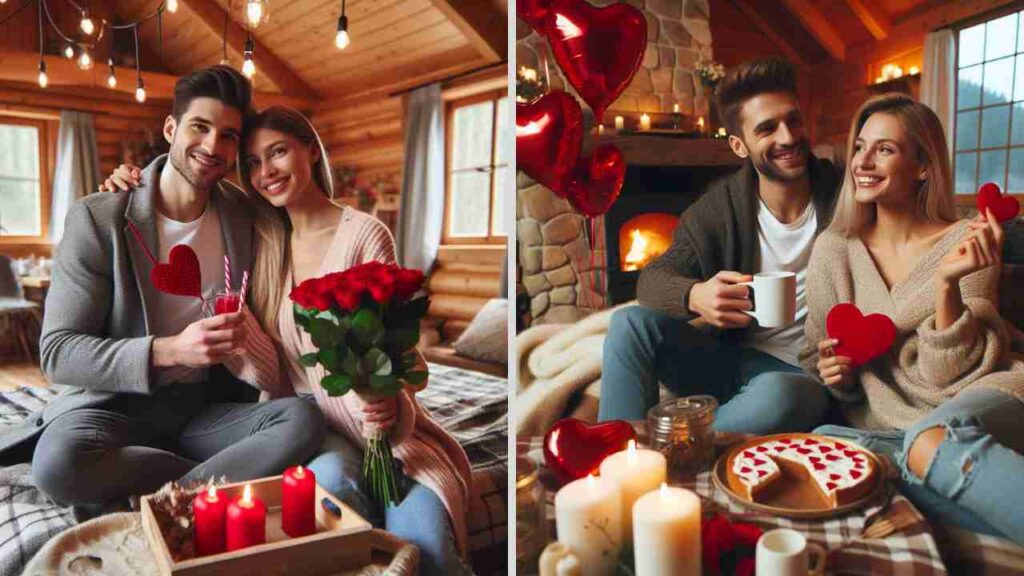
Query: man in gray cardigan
x=762 y=218
x=141 y=410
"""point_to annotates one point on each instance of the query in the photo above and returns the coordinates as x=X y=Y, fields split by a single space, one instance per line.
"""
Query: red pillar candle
x=298 y=498
x=247 y=521
x=209 y=510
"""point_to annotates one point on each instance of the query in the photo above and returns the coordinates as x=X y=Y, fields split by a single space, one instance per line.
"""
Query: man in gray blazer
x=141 y=410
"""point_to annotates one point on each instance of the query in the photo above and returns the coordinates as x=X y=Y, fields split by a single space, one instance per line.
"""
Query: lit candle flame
x=211 y=494
x=665 y=494
x=591 y=483
x=631 y=452
x=700 y=122
x=246 y=496
x=299 y=473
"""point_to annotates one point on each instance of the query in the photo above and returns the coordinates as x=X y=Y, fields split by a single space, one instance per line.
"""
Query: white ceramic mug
x=773 y=295
x=785 y=552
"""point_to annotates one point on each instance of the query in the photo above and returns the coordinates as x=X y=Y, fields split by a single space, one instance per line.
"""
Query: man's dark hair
x=748 y=80
x=221 y=82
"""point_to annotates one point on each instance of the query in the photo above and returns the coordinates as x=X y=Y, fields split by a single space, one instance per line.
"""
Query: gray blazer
x=96 y=336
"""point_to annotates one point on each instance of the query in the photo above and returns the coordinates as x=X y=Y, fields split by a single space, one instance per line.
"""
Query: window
x=477 y=170
x=989 y=135
x=24 y=208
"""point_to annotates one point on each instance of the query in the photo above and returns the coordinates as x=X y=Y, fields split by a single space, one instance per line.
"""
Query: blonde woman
x=301 y=234
x=944 y=404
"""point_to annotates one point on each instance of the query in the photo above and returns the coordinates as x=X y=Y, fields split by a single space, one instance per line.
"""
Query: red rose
x=381 y=284
x=349 y=290
x=408 y=281
x=300 y=296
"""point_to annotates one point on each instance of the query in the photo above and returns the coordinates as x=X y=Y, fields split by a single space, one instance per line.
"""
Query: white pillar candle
x=588 y=517
x=637 y=472
x=620 y=122
x=675 y=108
x=666 y=533
x=645 y=122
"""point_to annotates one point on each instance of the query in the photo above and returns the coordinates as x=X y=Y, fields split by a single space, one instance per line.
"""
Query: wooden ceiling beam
x=754 y=15
x=486 y=30
x=267 y=63
x=872 y=16
x=818 y=25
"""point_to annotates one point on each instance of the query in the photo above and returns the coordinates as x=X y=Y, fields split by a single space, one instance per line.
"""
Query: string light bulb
x=172 y=6
x=256 y=12
x=140 y=91
x=87 y=25
x=84 y=60
x=43 y=80
x=248 y=66
x=112 y=78
x=341 y=39
x=69 y=52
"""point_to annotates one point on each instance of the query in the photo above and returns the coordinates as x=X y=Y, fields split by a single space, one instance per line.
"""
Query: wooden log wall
x=363 y=133
x=466 y=277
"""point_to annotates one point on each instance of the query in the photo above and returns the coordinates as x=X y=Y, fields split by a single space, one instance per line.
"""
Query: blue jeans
x=974 y=479
x=420 y=518
x=757 y=393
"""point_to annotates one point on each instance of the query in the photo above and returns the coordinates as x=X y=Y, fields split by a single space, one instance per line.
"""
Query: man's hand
x=124 y=178
x=720 y=301
x=202 y=343
x=834 y=370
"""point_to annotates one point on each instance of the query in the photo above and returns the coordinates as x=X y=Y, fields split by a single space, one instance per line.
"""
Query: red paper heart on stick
x=598 y=49
x=862 y=338
x=180 y=276
x=596 y=181
x=1003 y=207
x=549 y=132
x=573 y=449
x=533 y=12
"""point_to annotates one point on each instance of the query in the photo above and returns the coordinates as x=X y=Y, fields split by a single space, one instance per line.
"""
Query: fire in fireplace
x=644 y=237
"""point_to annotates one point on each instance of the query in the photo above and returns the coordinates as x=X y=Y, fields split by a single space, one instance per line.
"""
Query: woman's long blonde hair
x=272 y=245
x=924 y=130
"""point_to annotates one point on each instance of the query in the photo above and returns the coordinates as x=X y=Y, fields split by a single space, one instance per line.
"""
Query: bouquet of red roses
x=365 y=323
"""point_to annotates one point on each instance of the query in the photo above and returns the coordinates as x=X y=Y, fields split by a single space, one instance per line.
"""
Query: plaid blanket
x=914 y=551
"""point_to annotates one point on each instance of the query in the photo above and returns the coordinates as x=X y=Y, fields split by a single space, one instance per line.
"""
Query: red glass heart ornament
x=861 y=338
x=534 y=13
x=549 y=133
x=596 y=181
x=181 y=275
x=598 y=49
x=574 y=449
x=1003 y=207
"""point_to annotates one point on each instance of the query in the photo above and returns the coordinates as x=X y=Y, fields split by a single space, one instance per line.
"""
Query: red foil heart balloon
x=596 y=181
x=573 y=449
x=181 y=275
x=534 y=13
x=598 y=49
x=549 y=133
x=861 y=338
x=1003 y=207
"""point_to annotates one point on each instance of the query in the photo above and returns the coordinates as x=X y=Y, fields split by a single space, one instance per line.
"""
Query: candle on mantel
x=529 y=74
x=298 y=502
x=620 y=123
x=247 y=521
x=637 y=472
x=722 y=133
x=600 y=129
x=675 y=108
x=208 y=512
x=645 y=122
x=666 y=533
x=914 y=70
x=700 y=124
x=588 y=519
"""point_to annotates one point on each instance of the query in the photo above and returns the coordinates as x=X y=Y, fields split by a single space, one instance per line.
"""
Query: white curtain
x=421 y=214
x=938 y=79
x=78 y=167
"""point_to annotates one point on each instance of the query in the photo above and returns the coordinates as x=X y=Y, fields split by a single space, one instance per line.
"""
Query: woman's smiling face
x=884 y=166
x=280 y=166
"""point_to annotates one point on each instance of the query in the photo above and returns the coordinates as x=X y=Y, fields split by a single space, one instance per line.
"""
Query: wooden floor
x=15 y=374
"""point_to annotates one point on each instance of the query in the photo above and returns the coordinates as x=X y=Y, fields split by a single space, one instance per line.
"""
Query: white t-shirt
x=173 y=313
x=785 y=247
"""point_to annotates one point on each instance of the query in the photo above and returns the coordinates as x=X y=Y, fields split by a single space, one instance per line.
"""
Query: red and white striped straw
x=227 y=273
x=245 y=286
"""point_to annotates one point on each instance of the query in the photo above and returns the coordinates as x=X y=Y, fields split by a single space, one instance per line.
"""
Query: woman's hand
x=124 y=178
x=834 y=370
x=982 y=248
x=379 y=414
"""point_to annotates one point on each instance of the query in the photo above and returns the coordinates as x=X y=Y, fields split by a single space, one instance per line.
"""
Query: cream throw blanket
x=555 y=362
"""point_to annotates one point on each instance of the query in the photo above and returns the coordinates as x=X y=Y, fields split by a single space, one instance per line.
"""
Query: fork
x=903 y=518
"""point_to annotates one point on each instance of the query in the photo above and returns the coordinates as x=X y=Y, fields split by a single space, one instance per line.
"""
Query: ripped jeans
x=974 y=480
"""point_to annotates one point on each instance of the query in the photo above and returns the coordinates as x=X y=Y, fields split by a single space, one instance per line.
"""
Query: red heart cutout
x=181 y=275
x=855 y=474
x=534 y=13
x=831 y=457
x=1003 y=207
x=819 y=466
x=810 y=442
x=861 y=338
x=573 y=449
x=598 y=49
x=549 y=133
x=831 y=485
x=595 y=183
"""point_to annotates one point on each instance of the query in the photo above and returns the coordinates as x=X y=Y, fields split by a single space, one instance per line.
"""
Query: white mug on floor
x=785 y=552
x=773 y=295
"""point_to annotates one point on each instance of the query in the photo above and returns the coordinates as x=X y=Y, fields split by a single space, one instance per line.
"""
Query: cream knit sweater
x=925 y=366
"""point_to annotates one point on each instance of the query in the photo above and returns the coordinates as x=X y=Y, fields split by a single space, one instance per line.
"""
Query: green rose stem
x=378 y=461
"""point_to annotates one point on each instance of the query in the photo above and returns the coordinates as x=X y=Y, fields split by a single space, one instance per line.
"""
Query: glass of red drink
x=225 y=302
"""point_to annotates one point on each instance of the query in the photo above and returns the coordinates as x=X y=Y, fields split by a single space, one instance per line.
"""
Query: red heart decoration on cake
x=534 y=13
x=1003 y=207
x=861 y=338
x=595 y=183
x=598 y=49
x=574 y=449
x=181 y=275
x=549 y=133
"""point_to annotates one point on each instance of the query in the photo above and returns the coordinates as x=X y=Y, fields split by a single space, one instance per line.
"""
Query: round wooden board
x=793 y=500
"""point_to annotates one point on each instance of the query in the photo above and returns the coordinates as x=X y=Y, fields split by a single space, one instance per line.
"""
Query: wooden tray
x=791 y=499
x=338 y=544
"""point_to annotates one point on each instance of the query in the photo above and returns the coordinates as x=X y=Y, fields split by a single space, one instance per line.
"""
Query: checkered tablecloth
x=910 y=552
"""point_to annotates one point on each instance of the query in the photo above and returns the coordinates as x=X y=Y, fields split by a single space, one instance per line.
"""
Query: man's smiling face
x=204 y=143
x=773 y=136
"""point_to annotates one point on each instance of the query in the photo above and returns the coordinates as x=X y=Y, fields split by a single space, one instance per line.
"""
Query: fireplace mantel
x=656 y=150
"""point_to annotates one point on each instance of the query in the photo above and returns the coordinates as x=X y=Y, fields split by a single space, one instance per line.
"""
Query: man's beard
x=180 y=163
x=768 y=169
